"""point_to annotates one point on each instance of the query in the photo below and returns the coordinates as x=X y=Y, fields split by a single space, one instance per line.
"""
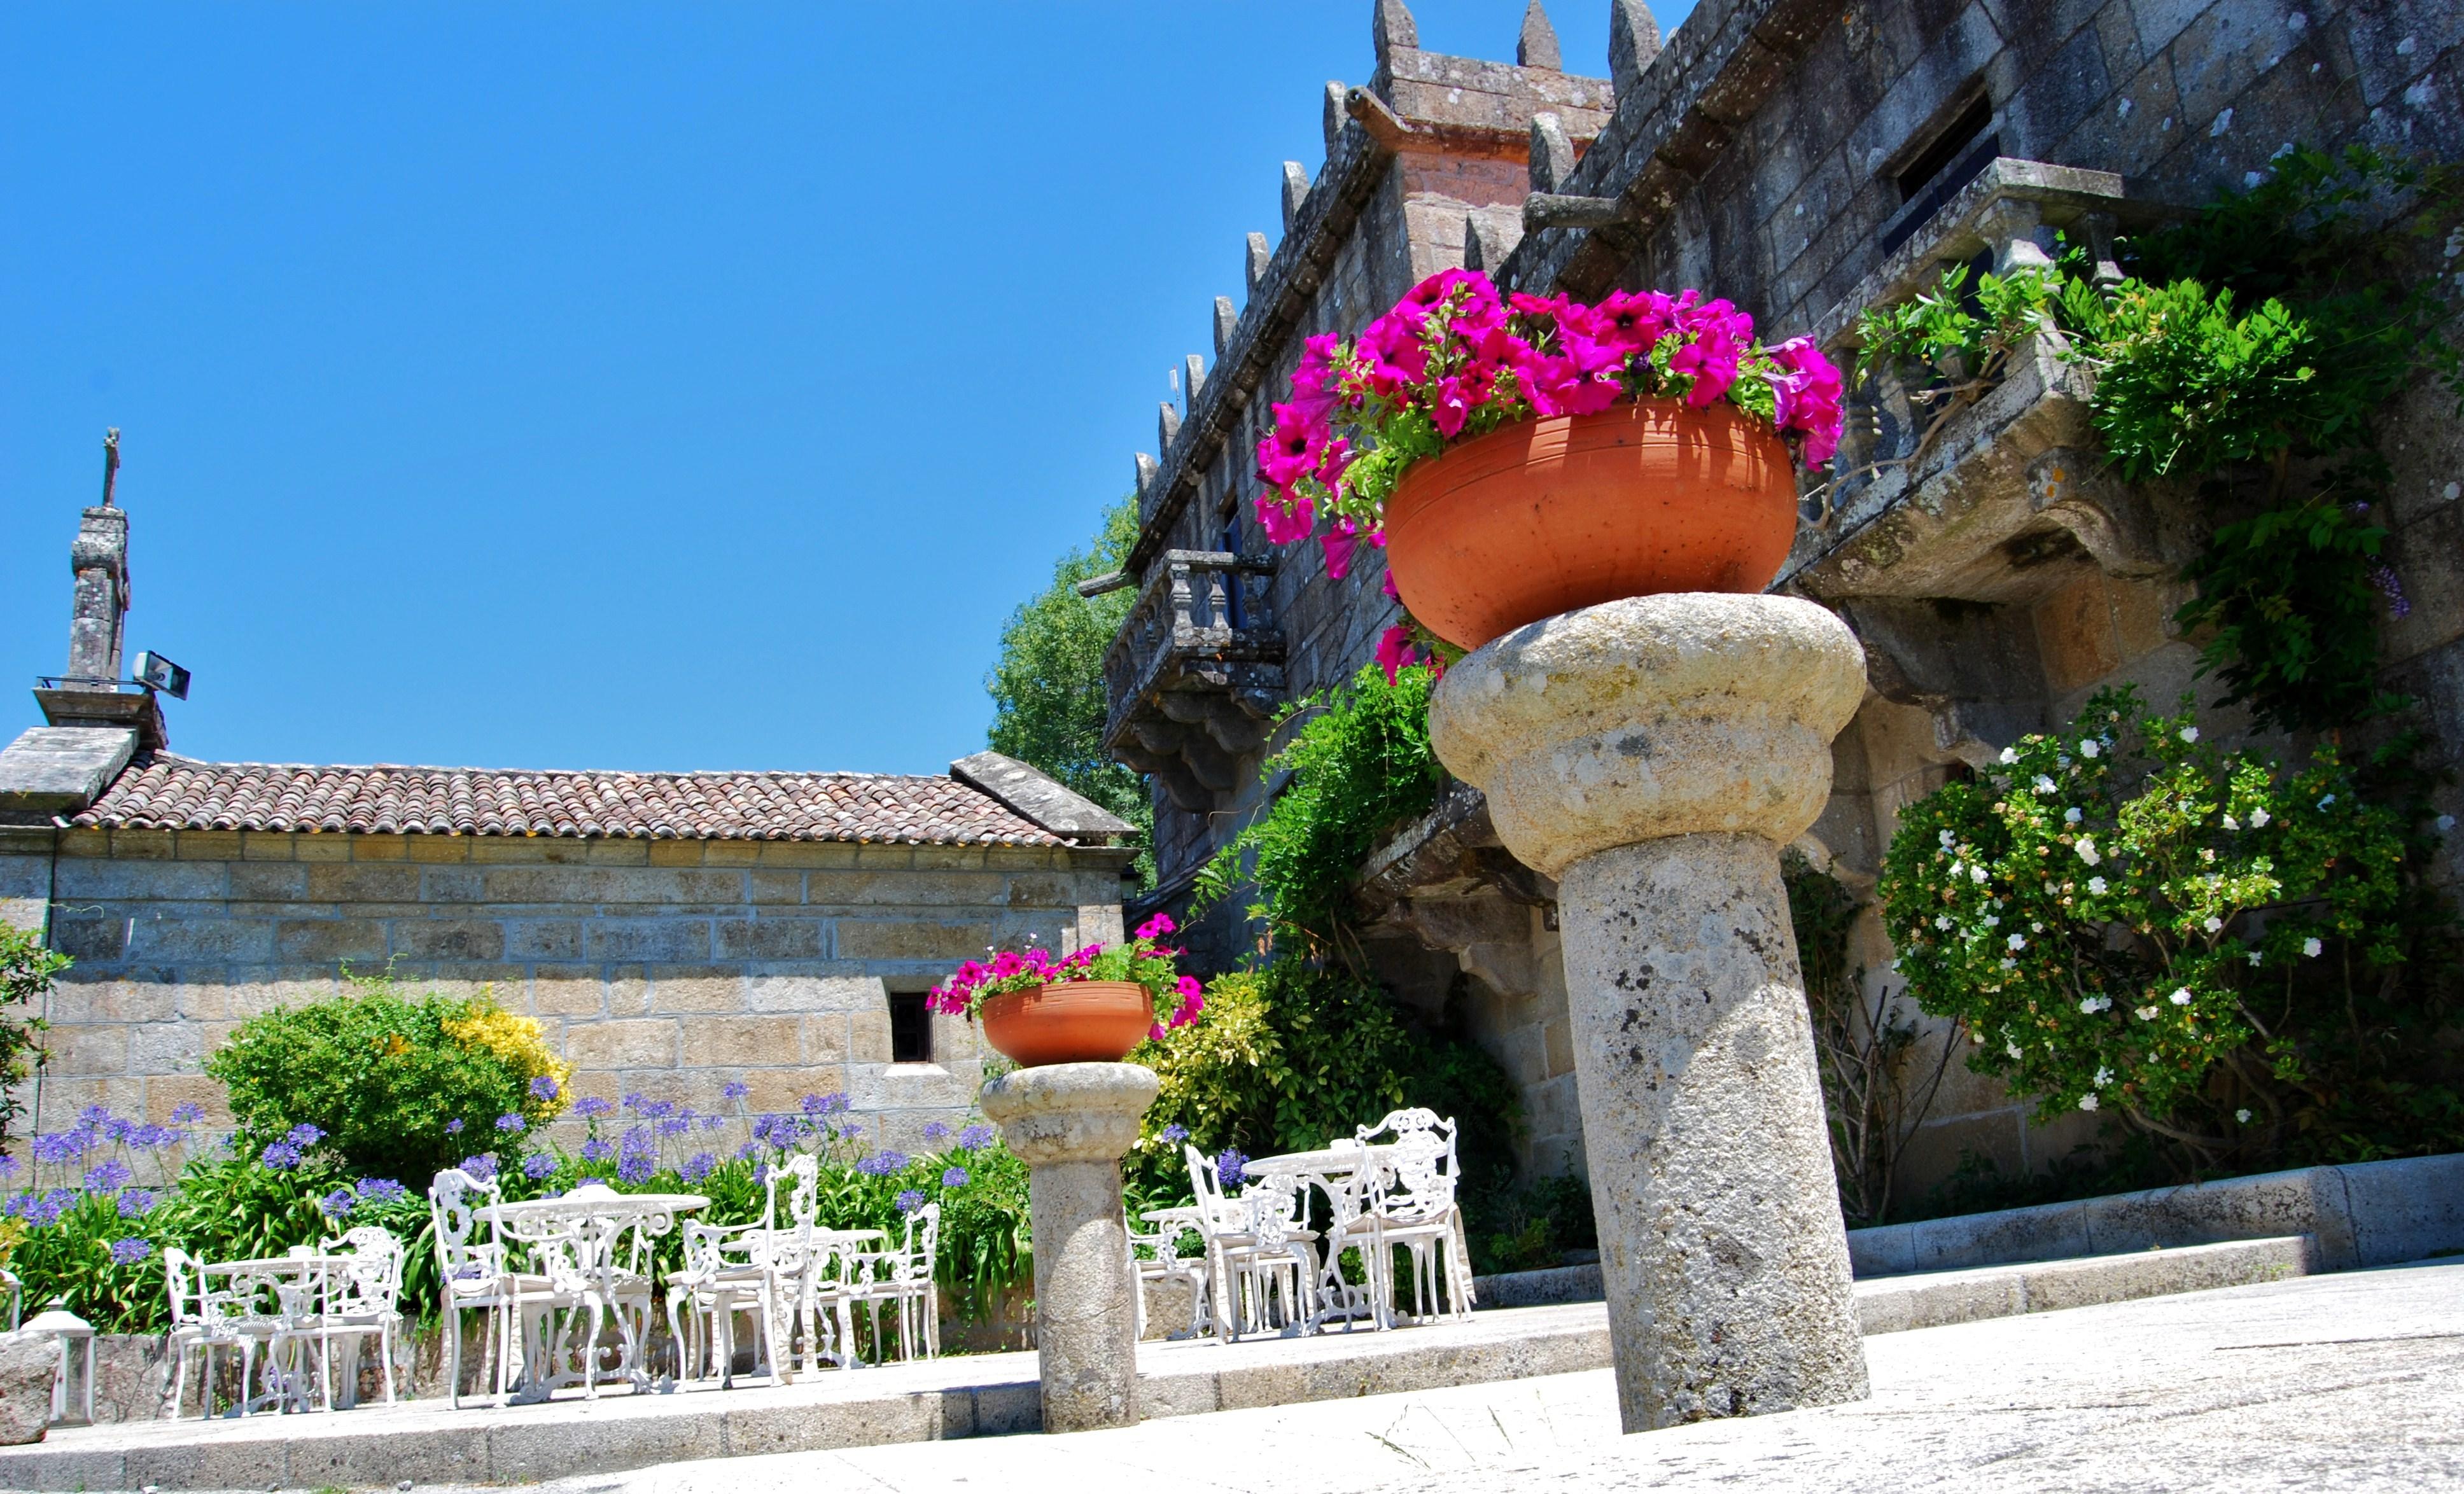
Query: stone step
x=989 y=1395
x=1893 y=1304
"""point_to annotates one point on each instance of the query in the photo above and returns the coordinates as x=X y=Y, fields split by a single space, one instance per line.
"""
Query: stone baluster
x=1653 y=755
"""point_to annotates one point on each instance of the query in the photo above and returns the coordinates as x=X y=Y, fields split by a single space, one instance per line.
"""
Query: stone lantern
x=73 y=1381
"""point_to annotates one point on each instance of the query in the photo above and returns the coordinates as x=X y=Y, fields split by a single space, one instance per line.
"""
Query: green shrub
x=1288 y=1057
x=27 y=970
x=2239 y=960
x=399 y=1087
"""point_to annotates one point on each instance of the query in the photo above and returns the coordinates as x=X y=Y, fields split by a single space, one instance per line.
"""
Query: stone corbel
x=1972 y=666
x=2111 y=519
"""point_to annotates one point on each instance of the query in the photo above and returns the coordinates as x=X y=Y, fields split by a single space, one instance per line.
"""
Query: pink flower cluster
x=1142 y=960
x=1453 y=359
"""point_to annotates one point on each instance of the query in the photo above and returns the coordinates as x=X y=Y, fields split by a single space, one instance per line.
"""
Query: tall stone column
x=1071 y=1124
x=1653 y=755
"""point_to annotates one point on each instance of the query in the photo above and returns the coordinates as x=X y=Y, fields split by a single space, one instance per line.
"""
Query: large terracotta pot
x=1547 y=516
x=1072 y=1022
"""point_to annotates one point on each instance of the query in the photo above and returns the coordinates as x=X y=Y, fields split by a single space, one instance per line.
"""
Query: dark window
x=911 y=1028
x=1949 y=143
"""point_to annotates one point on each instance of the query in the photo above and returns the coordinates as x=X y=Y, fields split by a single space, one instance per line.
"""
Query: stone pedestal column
x=1653 y=755
x=1071 y=1124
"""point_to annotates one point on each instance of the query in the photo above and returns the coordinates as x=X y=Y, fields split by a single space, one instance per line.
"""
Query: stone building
x=1805 y=161
x=675 y=933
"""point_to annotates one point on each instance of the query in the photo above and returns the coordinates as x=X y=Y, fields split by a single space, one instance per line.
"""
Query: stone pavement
x=2348 y=1382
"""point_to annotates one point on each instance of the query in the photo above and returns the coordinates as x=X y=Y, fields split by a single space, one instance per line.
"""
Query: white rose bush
x=2126 y=918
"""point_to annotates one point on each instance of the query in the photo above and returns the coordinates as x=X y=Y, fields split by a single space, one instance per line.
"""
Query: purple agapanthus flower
x=130 y=1251
x=381 y=1190
x=598 y=1149
x=935 y=1131
x=1230 y=1166
x=187 y=1113
x=304 y=1136
x=7 y=1166
x=698 y=1166
x=337 y=1205
x=748 y=1151
x=454 y=1127
x=281 y=1155
x=95 y=1117
x=954 y=1178
x=910 y=1200
x=482 y=1167
x=635 y=1168
x=675 y=1125
x=714 y=1122
x=590 y=1107
x=735 y=1090
x=975 y=1138
x=882 y=1164
x=539 y=1165
x=110 y=1176
x=59 y=1147
x=1174 y=1132
x=136 y=1202
x=544 y=1086
x=811 y=1105
x=512 y=1121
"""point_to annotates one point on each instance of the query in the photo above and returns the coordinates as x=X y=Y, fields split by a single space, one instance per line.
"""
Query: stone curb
x=1892 y=1305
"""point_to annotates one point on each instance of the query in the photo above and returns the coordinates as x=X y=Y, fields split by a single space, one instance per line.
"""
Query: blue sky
x=650 y=386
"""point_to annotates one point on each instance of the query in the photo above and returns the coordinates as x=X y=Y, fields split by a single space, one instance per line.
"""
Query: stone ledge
x=1895 y=1304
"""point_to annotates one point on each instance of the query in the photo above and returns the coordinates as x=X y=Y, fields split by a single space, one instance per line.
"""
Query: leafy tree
x=1048 y=686
x=27 y=970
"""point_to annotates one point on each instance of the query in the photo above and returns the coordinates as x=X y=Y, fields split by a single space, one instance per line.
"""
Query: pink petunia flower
x=1337 y=543
x=1395 y=652
x=1156 y=927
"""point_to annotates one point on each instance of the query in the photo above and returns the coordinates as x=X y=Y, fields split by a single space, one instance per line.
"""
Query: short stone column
x=1653 y=755
x=1071 y=1124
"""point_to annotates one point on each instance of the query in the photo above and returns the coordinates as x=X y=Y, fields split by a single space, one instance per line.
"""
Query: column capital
x=1675 y=714
x=1070 y=1112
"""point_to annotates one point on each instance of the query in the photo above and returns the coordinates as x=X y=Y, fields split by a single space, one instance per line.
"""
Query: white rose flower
x=2311 y=948
x=2008 y=963
x=2232 y=824
x=2253 y=957
x=2087 y=851
x=2087 y=1006
x=2010 y=755
x=1947 y=840
x=1956 y=868
x=2258 y=819
x=2011 y=1049
x=1976 y=874
x=1942 y=921
x=1993 y=920
x=2103 y=1077
x=2242 y=1116
x=2044 y=784
x=2145 y=1013
x=2087 y=1102
x=2096 y=884
x=2072 y=815
x=2213 y=925
x=2189 y=734
x=2181 y=995
x=2017 y=942
x=2328 y=800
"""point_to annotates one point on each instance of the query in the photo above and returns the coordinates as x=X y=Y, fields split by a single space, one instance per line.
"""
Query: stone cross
x=1071 y=1124
x=1653 y=755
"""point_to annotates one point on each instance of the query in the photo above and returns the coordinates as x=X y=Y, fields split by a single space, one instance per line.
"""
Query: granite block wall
x=674 y=968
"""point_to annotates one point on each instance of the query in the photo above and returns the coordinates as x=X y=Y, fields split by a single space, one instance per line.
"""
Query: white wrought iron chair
x=768 y=1269
x=1258 y=1252
x=478 y=1275
x=204 y=1320
x=1167 y=1263
x=1410 y=1205
x=362 y=1301
x=901 y=1277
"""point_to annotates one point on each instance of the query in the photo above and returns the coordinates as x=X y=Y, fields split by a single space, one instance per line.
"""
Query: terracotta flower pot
x=1547 y=516
x=1074 y=1022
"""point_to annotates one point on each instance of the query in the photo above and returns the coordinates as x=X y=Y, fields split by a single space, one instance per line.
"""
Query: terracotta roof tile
x=163 y=792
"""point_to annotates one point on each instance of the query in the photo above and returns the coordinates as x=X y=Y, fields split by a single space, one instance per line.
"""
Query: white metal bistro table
x=296 y=1288
x=592 y=1244
x=1342 y=1171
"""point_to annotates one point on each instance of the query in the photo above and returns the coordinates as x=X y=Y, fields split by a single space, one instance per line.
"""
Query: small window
x=911 y=1028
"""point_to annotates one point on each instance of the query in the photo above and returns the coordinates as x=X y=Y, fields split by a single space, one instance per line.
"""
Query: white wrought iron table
x=299 y=1284
x=578 y=1241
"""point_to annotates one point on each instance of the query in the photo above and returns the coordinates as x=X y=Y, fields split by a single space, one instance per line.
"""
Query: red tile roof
x=162 y=792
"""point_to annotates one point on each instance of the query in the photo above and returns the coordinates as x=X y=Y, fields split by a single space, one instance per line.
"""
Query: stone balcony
x=1195 y=675
x=1947 y=525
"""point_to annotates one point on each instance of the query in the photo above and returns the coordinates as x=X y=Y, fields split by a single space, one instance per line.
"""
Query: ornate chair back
x=470 y=1260
x=370 y=1280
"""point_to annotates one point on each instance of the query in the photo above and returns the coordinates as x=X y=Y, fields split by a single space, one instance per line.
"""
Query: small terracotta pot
x=1547 y=515
x=1072 y=1022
